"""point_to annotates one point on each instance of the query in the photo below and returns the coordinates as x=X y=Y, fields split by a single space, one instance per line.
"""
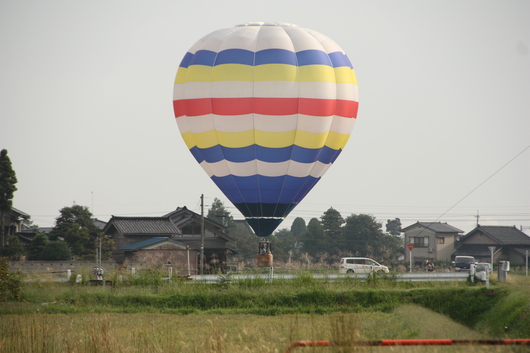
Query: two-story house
x=432 y=241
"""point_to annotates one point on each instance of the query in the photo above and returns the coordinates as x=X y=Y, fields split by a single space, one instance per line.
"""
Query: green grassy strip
x=462 y=304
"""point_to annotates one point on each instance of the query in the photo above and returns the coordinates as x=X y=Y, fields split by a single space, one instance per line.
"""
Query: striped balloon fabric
x=265 y=108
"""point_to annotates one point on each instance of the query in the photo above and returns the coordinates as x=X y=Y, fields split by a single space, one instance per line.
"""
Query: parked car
x=462 y=263
x=360 y=265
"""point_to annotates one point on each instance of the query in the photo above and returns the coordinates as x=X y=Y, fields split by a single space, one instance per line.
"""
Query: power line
x=479 y=185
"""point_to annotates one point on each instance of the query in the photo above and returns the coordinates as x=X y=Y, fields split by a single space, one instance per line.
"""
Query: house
x=508 y=243
x=181 y=227
x=164 y=250
x=26 y=235
x=13 y=221
x=432 y=241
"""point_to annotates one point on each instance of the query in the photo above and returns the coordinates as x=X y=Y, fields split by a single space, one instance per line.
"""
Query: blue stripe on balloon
x=328 y=155
x=340 y=59
x=186 y=60
x=273 y=155
x=312 y=57
x=295 y=153
x=246 y=189
x=275 y=56
x=235 y=56
x=264 y=57
x=203 y=57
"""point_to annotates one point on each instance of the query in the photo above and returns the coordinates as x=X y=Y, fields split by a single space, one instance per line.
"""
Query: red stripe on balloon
x=265 y=106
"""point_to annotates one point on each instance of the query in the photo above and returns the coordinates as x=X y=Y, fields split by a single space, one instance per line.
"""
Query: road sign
x=410 y=246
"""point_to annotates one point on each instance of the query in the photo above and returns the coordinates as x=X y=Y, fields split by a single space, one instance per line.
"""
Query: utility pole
x=477 y=217
x=202 y=236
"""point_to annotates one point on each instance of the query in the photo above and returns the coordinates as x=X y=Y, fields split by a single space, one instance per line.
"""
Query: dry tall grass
x=145 y=333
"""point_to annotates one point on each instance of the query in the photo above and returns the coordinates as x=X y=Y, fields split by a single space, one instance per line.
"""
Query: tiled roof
x=144 y=243
x=504 y=235
x=155 y=240
x=99 y=223
x=437 y=227
x=145 y=226
x=478 y=250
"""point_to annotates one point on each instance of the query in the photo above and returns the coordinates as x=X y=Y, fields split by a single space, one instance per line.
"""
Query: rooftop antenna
x=477 y=217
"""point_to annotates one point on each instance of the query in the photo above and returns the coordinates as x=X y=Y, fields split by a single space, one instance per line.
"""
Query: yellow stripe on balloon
x=235 y=139
x=337 y=141
x=202 y=140
x=195 y=73
x=345 y=75
x=300 y=138
x=269 y=72
x=181 y=75
x=232 y=72
x=309 y=139
x=312 y=73
x=275 y=72
x=275 y=139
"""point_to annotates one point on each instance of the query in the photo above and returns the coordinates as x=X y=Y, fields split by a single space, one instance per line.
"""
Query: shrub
x=9 y=284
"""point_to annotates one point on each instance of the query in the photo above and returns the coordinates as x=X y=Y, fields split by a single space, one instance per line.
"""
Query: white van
x=360 y=265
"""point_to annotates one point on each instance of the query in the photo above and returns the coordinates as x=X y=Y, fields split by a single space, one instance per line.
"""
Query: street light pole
x=526 y=263
x=492 y=248
x=202 y=235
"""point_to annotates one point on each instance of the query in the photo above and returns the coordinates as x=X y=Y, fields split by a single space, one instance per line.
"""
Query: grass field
x=255 y=316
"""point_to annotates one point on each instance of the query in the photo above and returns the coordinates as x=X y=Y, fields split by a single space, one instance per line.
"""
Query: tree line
x=322 y=240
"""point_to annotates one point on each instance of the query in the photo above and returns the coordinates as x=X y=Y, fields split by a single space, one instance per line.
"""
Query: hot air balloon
x=265 y=109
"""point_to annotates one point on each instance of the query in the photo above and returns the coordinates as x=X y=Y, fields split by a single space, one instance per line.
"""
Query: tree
x=245 y=244
x=362 y=233
x=37 y=246
x=313 y=238
x=332 y=222
x=76 y=236
x=393 y=227
x=298 y=227
x=75 y=225
x=364 y=237
x=8 y=179
x=282 y=242
x=56 y=251
x=13 y=248
x=218 y=213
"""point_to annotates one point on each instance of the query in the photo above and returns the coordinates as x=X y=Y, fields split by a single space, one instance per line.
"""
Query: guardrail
x=64 y=276
x=412 y=342
x=400 y=277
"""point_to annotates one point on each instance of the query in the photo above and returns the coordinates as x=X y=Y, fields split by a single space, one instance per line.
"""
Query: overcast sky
x=86 y=106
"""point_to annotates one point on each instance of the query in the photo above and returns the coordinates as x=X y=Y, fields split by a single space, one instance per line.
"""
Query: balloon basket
x=264 y=258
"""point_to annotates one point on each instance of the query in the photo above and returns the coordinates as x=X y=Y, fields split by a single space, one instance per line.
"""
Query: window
x=421 y=242
x=440 y=240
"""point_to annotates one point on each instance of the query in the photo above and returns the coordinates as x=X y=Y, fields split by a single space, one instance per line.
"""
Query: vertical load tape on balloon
x=265 y=109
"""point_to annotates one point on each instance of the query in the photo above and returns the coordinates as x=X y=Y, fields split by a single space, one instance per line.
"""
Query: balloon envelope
x=265 y=109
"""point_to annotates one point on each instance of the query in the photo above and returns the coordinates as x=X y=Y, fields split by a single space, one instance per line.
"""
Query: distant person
x=430 y=266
